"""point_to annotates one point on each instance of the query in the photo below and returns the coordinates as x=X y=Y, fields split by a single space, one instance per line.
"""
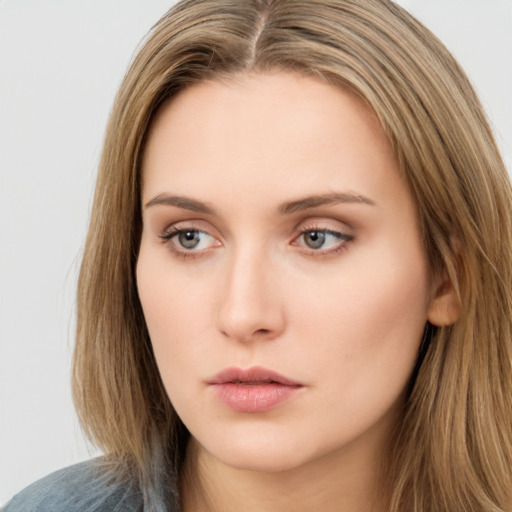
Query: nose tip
x=246 y=330
x=250 y=308
x=249 y=316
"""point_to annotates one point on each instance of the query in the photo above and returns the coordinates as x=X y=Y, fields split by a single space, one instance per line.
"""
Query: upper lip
x=254 y=375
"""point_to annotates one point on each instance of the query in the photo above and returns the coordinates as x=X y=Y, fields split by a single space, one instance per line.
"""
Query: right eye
x=188 y=240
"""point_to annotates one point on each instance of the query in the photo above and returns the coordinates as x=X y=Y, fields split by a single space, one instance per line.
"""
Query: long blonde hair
x=453 y=447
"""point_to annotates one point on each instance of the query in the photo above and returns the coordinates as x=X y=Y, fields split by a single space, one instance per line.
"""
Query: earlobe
x=445 y=307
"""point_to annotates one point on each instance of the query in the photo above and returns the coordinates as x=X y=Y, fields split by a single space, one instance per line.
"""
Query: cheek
x=367 y=322
x=174 y=310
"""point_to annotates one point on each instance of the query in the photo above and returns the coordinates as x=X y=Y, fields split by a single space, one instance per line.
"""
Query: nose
x=250 y=307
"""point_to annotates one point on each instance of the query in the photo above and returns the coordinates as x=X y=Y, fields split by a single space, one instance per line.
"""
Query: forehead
x=263 y=130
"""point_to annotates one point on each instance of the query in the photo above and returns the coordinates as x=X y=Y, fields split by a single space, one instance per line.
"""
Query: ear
x=444 y=308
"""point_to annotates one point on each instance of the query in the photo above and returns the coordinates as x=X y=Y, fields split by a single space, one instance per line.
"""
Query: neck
x=342 y=481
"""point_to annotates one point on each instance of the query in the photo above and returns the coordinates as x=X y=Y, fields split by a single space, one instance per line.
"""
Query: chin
x=273 y=460
x=262 y=450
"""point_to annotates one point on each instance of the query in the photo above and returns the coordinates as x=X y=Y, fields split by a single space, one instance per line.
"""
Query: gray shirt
x=83 y=487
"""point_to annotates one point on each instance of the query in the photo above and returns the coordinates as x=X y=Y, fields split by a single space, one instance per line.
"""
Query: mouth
x=253 y=390
x=254 y=375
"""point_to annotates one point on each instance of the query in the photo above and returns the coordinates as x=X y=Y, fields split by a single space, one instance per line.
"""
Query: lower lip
x=254 y=397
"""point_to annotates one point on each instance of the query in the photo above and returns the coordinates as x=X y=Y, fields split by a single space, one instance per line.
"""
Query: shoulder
x=84 y=487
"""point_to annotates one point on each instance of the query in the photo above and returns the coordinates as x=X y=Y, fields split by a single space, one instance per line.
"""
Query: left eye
x=323 y=239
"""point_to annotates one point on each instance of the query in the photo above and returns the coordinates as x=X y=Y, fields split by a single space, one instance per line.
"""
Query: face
x=281 y=271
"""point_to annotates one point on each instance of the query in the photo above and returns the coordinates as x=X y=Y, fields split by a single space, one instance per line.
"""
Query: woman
x=295 y=293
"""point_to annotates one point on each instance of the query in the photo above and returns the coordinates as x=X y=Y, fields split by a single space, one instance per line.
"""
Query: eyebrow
x=323 y=200
x=180 y=202
x=286 y=208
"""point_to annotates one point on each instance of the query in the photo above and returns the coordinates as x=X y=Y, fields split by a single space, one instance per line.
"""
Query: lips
x=253 y=390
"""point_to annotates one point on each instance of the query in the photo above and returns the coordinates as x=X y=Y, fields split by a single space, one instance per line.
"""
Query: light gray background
x=61 y=62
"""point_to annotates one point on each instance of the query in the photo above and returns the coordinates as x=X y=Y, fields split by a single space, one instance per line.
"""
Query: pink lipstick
x=254 y=389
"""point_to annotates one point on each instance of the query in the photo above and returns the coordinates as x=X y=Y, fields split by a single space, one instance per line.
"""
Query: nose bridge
x=250 y=306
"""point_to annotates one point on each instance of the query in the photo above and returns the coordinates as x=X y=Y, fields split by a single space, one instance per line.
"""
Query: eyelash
x=343 y=240
x=173 y=232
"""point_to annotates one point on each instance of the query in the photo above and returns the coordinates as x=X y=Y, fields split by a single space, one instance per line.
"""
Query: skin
x=345 y=319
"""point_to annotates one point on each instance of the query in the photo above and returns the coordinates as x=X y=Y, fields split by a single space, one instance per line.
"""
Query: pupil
x=189 y=239
x=315 y=239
